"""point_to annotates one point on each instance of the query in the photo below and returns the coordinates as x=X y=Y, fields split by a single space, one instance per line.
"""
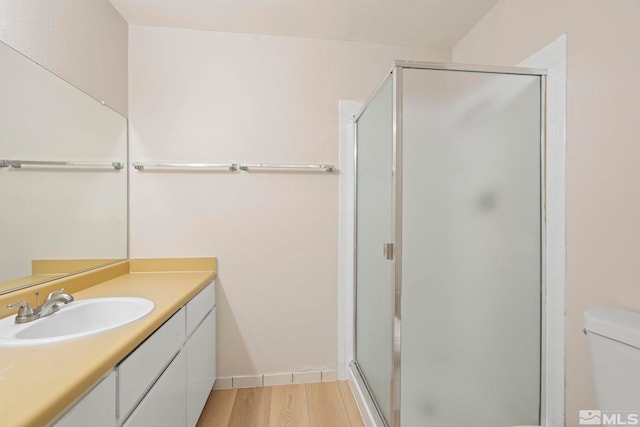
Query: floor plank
x=350 y=404
x=326 y=408
x=217 y=410
x=251 y=408
x=328 y=404
x=289 y=406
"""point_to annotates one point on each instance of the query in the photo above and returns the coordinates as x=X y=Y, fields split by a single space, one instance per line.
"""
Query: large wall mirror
x=63 y=177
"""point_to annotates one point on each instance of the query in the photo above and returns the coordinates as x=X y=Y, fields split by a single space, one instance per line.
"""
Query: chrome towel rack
x=142 y=165
x=323 y=168
x=20 y=163
x=234 y=166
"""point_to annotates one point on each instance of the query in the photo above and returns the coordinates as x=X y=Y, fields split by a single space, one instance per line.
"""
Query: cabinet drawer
x=96 y=409
x=199 y=306
x=139 y=371
x=165 y=404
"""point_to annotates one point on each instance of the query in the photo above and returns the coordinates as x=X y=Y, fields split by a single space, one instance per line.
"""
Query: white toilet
x=614 y=342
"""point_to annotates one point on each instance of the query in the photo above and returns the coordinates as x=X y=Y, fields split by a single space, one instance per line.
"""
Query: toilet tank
x=614 y=344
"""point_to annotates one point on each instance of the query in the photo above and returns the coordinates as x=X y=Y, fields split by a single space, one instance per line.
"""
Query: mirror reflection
x=64 y=209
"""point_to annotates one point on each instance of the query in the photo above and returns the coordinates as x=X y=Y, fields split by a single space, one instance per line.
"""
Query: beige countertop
x=37 y=383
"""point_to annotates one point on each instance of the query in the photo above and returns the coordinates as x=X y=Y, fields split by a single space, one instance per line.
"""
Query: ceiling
x=424 y=23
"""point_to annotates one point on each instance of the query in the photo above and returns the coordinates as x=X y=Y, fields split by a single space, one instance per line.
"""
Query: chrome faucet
x=50 y=305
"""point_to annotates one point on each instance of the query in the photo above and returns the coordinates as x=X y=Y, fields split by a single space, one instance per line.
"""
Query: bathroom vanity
x=158 y=370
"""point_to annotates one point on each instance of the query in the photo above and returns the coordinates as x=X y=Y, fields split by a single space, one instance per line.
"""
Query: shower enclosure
x=449 y=240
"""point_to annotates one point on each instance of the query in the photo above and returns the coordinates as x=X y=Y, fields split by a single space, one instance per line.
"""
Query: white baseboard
x=283 y=378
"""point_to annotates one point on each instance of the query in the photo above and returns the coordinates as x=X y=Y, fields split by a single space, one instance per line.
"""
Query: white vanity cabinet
x=163 y=382
x=178 y=396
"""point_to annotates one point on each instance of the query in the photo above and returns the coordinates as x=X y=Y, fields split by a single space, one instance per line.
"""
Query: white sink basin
x=74 y=320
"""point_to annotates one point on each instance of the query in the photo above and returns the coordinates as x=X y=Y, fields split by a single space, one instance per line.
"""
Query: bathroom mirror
x=64 y=208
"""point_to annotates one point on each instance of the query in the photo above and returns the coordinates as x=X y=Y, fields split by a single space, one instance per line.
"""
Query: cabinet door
x=201 y=367
x=165 y=404
x=96 y=409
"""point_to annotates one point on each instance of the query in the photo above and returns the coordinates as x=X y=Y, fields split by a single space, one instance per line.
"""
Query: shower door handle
x=387 y=250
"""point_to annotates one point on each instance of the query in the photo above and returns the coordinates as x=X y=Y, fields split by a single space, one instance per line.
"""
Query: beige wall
x=603 y=198
x=84 y=42
x=213 y=97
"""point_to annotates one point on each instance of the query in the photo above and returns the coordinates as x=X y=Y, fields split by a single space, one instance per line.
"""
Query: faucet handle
x=53 y=294
x=25 y=308
x=25 y=314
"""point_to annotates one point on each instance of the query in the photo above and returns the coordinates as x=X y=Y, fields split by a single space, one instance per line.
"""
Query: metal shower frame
x=396 y=74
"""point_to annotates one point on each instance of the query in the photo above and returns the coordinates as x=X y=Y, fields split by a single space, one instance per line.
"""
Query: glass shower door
x=471 y=250
x=374 y=290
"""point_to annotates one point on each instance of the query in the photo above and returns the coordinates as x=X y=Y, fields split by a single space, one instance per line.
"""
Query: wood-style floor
x=328 y=404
